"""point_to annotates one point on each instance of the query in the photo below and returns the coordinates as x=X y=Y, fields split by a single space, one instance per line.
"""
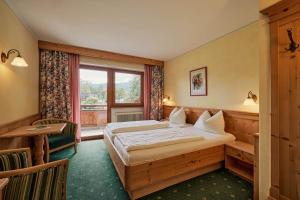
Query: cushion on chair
x=60 y=140
x=12 y=161
x=66 y=137
x=46 y=184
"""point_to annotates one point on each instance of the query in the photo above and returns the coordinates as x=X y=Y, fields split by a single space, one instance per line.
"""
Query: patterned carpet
x=92 y=176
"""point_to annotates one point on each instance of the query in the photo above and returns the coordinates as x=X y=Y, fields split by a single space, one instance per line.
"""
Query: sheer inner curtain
x=59 y=89
x=153 y=92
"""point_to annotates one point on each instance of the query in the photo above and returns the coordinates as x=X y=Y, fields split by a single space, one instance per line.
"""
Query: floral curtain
x=154 y=91
x=55 y=94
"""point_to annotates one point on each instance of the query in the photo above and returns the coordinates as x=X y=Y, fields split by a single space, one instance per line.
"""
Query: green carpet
x=92 y=176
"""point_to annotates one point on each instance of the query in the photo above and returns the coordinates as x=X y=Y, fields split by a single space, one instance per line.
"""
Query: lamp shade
x=249 y=102
x=19 y=62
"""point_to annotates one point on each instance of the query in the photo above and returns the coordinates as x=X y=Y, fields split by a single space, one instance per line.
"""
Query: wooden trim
x=19 y=123
x=98 y=53
x=92 y=137
x=27 y=150
x=142 y=179
x=3 y=183
x=114 y=104
x=256 y=167
x=282 y=9
x=111 y=87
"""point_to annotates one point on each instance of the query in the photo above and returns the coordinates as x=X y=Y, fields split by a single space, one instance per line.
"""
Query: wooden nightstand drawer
x=239 y=154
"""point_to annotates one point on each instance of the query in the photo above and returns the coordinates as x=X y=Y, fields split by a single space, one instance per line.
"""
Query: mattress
x=109 y=133
x=147 y=155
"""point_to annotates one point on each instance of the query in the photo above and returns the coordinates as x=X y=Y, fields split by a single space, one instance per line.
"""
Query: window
x=93 y=89
x=128 y=87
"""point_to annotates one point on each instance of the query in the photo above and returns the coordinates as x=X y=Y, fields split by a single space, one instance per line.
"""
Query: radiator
x=129 y=116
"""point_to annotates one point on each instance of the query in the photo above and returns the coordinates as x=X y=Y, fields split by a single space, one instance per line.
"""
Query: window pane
x=93 y=89
x=127 y=88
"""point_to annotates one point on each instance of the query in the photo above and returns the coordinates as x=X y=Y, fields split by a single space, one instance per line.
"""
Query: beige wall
x=233 y=70
x=18 y=86
x=265 y=109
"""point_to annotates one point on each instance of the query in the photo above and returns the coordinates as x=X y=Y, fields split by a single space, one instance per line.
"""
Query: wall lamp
x=250 y=100
x=166 y=99
x=18 y=61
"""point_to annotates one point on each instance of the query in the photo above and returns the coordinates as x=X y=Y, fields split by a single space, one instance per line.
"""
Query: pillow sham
x=201 y=120
x=173 y=112
x=214 y=124
x=178 y=117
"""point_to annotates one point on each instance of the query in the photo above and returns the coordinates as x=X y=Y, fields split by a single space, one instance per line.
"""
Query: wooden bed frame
x=143 y=179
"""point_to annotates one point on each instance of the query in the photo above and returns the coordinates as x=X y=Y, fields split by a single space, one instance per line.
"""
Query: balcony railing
x=93 y=115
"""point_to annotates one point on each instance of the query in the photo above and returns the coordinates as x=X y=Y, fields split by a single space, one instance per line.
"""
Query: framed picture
x=198 y=82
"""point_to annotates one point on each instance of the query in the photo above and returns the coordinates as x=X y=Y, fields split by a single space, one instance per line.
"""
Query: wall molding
x=94 y=53
x=18 y=123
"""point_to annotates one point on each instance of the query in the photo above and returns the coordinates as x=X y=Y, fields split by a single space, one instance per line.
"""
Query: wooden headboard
x=241 y=124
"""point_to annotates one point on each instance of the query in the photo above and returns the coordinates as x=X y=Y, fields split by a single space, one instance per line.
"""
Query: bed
x=145 y=171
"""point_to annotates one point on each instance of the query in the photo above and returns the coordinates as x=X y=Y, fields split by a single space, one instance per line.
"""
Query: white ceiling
x=157 y=29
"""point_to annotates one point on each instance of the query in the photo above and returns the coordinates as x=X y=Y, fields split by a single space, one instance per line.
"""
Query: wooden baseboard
x=92 y=137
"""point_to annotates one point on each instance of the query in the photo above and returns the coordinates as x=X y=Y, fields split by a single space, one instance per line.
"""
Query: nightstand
x=239 y=158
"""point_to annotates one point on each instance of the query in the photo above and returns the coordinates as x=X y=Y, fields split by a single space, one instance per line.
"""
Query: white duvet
x=156 y=138
x=121 y=127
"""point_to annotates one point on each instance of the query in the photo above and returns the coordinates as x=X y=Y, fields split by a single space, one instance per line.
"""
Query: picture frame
x=198 y=82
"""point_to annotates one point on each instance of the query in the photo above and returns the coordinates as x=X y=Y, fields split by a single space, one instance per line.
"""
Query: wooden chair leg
x=47 y=150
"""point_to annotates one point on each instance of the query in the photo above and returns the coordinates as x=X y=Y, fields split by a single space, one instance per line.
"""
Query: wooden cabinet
x=285 y=99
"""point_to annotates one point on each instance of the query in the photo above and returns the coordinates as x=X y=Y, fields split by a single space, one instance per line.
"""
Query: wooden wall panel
x=18 y=142
x=241 y=124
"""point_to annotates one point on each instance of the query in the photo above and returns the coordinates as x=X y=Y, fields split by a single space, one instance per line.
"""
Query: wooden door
x=285 y=106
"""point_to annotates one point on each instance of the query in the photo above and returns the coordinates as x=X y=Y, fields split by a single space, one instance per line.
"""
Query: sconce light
x=250 y=100
x=166 y=99
x=18 y=61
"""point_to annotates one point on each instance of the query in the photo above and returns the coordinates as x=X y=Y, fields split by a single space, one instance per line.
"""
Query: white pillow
x=214 y=124
x=173 y=112
x=201 y=120
x=178 y=117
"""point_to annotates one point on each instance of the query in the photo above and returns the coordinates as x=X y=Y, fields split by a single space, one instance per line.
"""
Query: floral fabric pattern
x=157 y=93
x=55 y=94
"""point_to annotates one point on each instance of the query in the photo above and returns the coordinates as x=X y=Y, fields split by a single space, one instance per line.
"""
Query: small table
x=38 y=135
x=3 y=183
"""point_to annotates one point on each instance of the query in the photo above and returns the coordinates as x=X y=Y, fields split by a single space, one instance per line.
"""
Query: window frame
x=141 y=74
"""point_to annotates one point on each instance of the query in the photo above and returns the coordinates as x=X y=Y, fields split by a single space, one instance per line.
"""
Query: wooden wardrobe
x=285 y=100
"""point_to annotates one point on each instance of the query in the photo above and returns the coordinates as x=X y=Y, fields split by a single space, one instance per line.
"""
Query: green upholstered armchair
x=57 y=142
x=41 y=182
x=13 y=159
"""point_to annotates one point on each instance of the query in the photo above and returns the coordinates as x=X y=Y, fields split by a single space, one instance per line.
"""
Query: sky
x=97 y=77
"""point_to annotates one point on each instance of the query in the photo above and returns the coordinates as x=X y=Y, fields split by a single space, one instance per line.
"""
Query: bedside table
x=239 y=158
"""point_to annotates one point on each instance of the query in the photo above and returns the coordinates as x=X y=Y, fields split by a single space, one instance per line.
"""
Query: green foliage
x=128 y=92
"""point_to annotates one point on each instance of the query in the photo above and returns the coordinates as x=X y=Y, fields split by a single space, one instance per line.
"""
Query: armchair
x=43 y=182
x=59 y=141
x=15 y=159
